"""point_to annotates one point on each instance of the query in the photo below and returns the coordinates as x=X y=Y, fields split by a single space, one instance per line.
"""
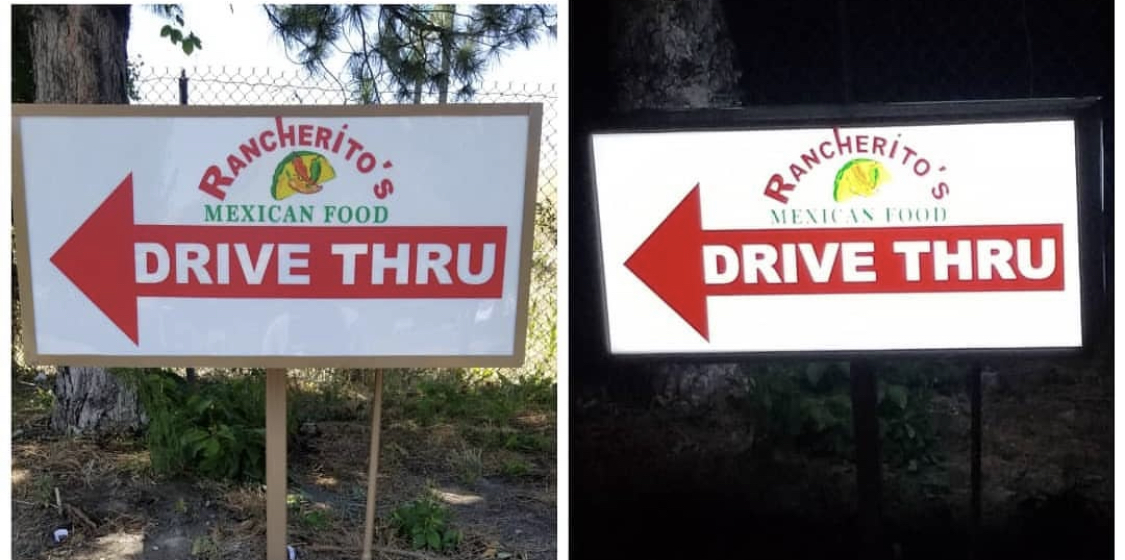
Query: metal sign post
x=974 y=453
x=869 y=476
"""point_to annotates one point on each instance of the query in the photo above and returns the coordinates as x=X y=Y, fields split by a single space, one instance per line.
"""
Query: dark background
x=801 y=52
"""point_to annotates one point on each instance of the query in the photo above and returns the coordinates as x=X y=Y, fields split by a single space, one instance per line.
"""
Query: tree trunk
x=90 y=399
x=79 y=54
x=671 y=54
x=676 y=54
x=447 y=23
x=79 y=57
x=443 y=81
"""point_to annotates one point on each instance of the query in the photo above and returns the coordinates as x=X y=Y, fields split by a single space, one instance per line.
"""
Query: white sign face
x=840 y=239
x=235 y=236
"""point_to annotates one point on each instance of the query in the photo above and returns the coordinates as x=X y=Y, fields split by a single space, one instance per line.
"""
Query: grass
x=458 y=397
x=31 y=400
x=484 y=410
x=468 y=463
x=439 y=428
x=204 y=547
x=517 y=467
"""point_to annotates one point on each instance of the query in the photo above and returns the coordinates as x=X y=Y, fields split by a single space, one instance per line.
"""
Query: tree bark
x=447 y=23
x=446 y=68
x=90 y=399
x=79 y=56
x=676 y=54
x=671 y=54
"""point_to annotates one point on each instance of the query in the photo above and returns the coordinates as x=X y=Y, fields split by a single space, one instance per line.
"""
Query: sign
x=276 y=236
x=841 y=238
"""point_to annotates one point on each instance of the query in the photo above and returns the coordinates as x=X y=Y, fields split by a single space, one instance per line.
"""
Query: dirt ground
x=649 y=480
x=105 y=493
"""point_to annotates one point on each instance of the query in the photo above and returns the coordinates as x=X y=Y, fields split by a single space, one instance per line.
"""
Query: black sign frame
x=1094 y=208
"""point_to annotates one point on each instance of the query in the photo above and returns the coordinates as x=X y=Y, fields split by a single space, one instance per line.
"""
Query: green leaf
x=166 y=31
x=814 y=372
x=199 y=405
x=180 y=20
x=897 y=394
x=433 y=540
x=177 y=36
x=314 y=171
x=187 y=46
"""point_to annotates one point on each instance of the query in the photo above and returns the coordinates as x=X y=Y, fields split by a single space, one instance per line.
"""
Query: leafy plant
x=204 y=547
x=457 y=396
x=808 y=407
x=425 y=523
x=174 y=31
x=133 y=78
x=316 y=519
x=904 y=422
x=516 y=468
x=212 y=428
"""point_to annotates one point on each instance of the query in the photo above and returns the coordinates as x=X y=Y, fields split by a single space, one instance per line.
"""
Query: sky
x=240 y=36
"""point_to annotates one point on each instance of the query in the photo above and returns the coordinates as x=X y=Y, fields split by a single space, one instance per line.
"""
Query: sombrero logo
x=871 y=163
x=301 y=173
x=314 y=155
x=859 y=177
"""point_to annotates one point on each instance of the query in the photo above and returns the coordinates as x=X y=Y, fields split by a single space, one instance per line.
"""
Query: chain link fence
x=234 y=86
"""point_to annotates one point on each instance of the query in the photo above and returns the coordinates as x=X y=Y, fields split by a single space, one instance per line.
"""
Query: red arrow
x=99 y=258
x=671 y=261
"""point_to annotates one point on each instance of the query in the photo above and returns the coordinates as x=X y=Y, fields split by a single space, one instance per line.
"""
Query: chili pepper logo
x=301 y=172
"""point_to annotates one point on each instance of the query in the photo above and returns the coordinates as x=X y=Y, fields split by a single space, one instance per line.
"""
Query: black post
x=869 y=483
x=845 y=50
x=974 y=454
x=191 y=376
x=183 y=87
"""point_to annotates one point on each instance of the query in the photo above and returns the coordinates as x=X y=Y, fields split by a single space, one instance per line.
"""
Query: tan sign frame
x=534 y=112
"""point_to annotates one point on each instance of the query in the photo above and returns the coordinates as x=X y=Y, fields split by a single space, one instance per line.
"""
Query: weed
x=326 y=396
x=457 y=396
x=204 y=547
x=134 y=465
x=468 y=462
x=43 y=490
x=516 y=468
x=809 y=408
x=492 y=437
x=316 y=519
x=425 y=523
x=295 y=501
x=212 y=428
x=43 y=400
x=530 y=442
